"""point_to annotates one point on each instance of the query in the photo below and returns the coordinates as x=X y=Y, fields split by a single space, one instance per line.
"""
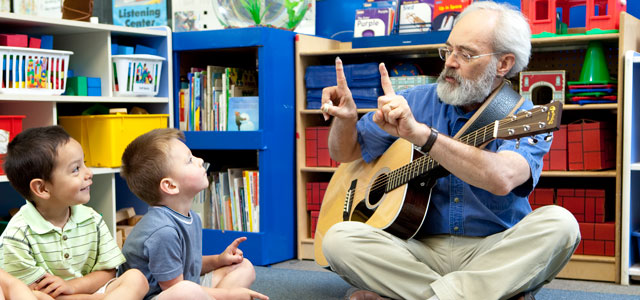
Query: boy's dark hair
x=144 y=162
x=32 y=154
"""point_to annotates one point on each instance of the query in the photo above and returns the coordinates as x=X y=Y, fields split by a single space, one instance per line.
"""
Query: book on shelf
x=233 y=175
x=198 y=206
x=252 y=199
x=243 y=114
x=204 y=103
x=214 y=89
x=231 y=202
x=216 y=210
x=182 y=114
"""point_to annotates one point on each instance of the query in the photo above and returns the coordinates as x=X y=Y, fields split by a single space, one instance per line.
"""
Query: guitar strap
x=502 y=102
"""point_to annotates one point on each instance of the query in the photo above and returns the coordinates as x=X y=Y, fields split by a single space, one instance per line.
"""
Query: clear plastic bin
x=33 y=71
x=136 y=74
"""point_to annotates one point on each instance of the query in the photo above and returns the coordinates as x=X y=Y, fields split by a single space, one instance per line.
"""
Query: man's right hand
x=337 y=100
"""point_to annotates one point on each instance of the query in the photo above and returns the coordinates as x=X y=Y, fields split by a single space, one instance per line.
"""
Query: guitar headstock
x=540 y=119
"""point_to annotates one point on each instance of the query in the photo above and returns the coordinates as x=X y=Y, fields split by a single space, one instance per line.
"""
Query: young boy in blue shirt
x=55 y=244
x=166 y=245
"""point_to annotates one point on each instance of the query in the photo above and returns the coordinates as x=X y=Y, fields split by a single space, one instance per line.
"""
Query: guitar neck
x=426 y=163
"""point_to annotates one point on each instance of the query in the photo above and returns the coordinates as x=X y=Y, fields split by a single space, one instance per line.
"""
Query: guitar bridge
x=348 y=200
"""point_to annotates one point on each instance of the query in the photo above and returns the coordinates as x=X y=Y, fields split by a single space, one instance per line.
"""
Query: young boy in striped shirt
x=55 y=244
x=12 y=288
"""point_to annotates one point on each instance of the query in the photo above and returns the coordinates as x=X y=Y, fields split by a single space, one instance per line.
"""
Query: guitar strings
x=417 y=167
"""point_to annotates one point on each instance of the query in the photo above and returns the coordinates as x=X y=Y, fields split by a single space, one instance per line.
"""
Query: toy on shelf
x=602 y=16
x=595 y=85
x=533 y=82
x=285 y=14
x=83 y=86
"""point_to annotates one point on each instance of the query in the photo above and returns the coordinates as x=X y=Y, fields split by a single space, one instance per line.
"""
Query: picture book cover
x=445 y=11
x=243 y=114
x=415 y=15
x=373 y=22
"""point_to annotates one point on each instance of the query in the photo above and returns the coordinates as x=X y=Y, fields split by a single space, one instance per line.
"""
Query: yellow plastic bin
x=104 y=137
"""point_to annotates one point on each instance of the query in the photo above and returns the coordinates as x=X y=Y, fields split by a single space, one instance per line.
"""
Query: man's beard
x=467 y=91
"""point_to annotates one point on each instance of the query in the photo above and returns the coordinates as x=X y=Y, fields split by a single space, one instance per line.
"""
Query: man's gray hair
x=512 y=33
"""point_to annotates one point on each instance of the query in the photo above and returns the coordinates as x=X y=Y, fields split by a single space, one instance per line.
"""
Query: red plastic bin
x=12 y=124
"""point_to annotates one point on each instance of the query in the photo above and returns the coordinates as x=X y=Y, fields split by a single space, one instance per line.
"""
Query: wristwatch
x=430 y=141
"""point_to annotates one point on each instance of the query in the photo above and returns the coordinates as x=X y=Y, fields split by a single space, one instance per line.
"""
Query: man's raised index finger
x=387 y=87
x=340 y=78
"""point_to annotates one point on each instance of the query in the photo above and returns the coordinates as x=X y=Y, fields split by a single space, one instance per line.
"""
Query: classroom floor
x=559 y=284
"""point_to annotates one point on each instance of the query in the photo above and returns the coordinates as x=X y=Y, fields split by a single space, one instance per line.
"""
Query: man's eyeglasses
x=445 y=52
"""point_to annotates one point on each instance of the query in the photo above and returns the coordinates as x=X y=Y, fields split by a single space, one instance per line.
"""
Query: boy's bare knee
x=184 y=290
x=248 y=267
x=135 y=278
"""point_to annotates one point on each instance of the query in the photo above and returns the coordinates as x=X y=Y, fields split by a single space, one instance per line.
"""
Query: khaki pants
x=499 y=266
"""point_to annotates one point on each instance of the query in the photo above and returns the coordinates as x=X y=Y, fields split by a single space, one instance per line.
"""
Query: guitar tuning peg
x=532 y=141
x=518 y=143
x=548 y=138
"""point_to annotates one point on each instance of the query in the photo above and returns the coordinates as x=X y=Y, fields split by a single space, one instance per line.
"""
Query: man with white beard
x=483 y=241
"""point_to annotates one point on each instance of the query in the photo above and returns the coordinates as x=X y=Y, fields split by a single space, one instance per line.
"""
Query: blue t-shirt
x=163 y=245
x=457 y=207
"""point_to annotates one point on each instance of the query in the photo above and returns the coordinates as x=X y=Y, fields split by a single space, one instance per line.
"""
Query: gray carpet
x=305 y=280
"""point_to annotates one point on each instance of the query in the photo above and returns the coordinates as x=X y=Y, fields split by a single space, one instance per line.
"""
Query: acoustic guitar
x=392 y=192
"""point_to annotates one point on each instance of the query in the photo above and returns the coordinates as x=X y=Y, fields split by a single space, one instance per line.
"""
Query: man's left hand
x=394 y=115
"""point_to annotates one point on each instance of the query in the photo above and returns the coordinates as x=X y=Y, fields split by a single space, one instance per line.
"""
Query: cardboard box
x=556 y=159
x=315 y=194
x=314 y=222
x=317 y=147
x=541 y=197
x=591 y=146
x=587 y=205
x=597 y=239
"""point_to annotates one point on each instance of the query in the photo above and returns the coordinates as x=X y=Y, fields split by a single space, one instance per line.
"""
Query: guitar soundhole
x=377 y=189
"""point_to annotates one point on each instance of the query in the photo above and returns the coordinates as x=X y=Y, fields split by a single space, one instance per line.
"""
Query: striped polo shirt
x=31 y=246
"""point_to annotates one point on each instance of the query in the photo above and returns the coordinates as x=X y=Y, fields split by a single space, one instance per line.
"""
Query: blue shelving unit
x=274 y=142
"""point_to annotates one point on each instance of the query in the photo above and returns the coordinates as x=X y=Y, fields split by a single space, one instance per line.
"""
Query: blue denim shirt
x=457 y=207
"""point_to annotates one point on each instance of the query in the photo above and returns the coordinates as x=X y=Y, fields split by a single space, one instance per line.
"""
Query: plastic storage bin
x=104 y=137
x=33 y=71
x=136 y=74
x=12 y=124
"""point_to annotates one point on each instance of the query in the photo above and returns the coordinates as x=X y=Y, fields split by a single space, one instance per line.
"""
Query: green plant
x=294 y=19
x=254 y=7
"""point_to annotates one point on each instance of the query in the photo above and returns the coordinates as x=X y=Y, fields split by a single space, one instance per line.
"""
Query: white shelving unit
x=630 y=263
x=91 y=46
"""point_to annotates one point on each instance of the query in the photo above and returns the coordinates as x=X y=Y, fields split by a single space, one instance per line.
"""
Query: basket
x=104 y=137
x=136 y=74
x=33 y=71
